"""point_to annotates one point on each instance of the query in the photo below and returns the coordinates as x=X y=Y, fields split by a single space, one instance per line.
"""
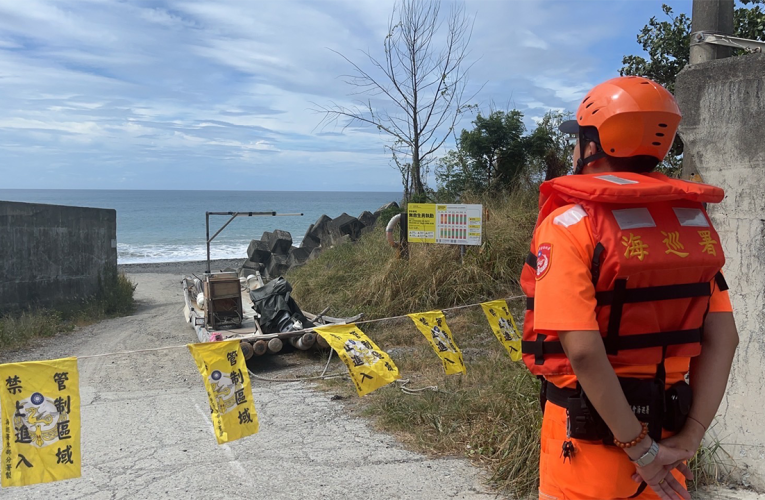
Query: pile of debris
x=273 y=254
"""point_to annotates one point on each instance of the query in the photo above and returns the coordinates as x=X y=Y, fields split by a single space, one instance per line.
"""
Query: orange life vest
x=655 y=260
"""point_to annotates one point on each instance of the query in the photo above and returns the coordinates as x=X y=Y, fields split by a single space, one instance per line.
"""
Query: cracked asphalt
x=146 y=430
x=147 y=434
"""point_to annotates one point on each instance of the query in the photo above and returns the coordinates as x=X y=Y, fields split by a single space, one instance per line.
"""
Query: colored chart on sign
x=445 y=224
x=459 y=224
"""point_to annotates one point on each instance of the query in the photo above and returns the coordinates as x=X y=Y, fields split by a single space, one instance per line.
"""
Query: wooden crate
x=223 y=300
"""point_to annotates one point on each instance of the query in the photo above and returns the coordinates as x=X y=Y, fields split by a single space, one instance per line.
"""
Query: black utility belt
x=650 y=402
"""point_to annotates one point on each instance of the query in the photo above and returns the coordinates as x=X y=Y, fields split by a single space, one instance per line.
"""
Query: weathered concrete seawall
x=51 y=254
x=723 y=105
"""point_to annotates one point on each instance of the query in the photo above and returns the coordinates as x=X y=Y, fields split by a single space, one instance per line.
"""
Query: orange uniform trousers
x=594 y=471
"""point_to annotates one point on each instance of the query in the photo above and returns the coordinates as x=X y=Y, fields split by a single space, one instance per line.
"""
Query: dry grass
x=366 y=277
x=712 y=465
x=490 y=414
x=17 y=329
x=114 y=298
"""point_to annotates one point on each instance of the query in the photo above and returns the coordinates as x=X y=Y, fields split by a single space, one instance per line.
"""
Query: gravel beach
x=187 y=267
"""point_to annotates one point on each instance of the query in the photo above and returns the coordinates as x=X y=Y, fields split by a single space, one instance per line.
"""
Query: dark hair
x=641 y=164
x=638 y=164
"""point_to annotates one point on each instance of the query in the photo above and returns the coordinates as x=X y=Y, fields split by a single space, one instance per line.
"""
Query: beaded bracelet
x=634 y=442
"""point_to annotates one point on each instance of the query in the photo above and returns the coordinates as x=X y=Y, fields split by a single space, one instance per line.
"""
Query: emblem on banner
x=41 y=421
x=504 y=327
x=40 y=409
x=369 y=367
x=361 y=352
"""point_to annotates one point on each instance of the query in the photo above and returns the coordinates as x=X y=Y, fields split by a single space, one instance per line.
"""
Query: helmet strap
x=581 y=162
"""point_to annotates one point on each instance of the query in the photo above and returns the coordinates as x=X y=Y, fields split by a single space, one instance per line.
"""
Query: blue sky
x=184 y=94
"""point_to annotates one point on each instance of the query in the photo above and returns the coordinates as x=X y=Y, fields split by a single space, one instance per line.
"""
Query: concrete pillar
x=723 y=106
x=715 y=16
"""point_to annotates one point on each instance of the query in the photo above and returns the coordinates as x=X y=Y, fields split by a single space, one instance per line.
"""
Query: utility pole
x=711 y=16
x=707 y=16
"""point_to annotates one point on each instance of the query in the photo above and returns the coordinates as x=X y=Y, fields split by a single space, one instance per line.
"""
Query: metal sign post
x=233 y=215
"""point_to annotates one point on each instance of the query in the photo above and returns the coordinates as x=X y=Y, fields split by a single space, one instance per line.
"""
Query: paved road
x=146 y=431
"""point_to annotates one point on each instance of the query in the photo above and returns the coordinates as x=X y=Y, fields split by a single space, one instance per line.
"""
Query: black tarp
x=278 y=310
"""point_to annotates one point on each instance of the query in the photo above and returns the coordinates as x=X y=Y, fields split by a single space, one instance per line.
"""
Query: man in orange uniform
x=625 y=300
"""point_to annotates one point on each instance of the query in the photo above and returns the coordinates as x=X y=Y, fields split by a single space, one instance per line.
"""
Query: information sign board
x=445 y=224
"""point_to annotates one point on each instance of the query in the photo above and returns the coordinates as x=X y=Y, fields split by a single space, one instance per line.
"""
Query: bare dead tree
x=418 y=86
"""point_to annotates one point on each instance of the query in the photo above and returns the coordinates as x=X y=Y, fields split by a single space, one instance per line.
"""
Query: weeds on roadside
x=711 y=465
x=15 y=329
x=490 y=415
x=366 y=276
x=114 y=298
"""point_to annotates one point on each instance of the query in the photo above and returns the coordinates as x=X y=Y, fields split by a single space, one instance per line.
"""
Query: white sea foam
x=169 y=226
x=146 y=254
x=143 y=254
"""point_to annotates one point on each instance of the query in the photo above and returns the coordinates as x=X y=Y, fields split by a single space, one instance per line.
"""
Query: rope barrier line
x=403 y=382
x=296 y=379
x=442 y=310
x=406 y=390
x=390 y=318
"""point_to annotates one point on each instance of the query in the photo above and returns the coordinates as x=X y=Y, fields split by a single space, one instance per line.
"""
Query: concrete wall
x=723 y=128
x=51 y=254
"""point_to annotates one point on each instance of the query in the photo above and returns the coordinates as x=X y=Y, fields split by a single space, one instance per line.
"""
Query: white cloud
x=96 y=93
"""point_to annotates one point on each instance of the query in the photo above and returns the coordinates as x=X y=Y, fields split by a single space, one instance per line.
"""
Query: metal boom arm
x=233 y=215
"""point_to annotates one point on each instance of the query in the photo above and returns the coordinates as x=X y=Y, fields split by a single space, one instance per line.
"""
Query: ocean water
x=169 y=226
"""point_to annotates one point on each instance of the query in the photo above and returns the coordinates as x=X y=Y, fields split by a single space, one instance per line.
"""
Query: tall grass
x=366 y=277
x=113 y=298
x=491 y=414
x=711 y=465
x=17 y=328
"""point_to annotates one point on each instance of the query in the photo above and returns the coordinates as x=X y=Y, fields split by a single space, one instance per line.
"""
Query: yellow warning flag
x=433 y=325
x=370 y=367
x=40 y=403
x=503 y=326
x=228 y=388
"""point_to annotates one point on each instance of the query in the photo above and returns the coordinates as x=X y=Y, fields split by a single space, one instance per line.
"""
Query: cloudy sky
x=186 y=94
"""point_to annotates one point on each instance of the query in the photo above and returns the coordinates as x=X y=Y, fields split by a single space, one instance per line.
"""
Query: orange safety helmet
x=634 y=116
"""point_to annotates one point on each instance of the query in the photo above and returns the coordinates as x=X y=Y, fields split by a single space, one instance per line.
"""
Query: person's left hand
x=685 y=443
x=658 y=474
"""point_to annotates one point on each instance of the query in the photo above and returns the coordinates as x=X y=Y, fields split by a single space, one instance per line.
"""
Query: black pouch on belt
x=583 y=421
x=646 y=397
x=679 y=398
